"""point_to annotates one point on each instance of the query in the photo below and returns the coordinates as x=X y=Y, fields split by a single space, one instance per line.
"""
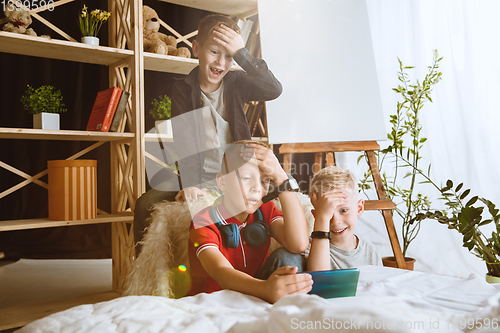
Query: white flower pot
x=48 y=121
x=90 y=40
x=492 y=279
x=164 y=127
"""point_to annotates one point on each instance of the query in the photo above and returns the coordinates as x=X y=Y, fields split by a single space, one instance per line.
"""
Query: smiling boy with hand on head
x=334 y=245
x=222 y=259
x=217 y=46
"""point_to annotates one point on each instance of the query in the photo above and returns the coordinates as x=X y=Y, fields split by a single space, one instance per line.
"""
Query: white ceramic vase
x=48 y=121
x=163 y=127
x=91 y=40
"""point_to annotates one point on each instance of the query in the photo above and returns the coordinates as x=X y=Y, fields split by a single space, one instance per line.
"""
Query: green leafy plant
x=466 y=217
x=43 y=99
x=161 y=109
x=90 y=23
x=404 y=152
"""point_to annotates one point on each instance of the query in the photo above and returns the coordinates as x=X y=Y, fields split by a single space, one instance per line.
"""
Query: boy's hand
x=191 y=194
x=229 y=39
x=284 y=281
x=325 y=206
x=268 y=162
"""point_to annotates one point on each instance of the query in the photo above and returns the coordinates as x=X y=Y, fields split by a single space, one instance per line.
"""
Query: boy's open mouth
x=339 y=231
x=252 y=201
x=216 y=72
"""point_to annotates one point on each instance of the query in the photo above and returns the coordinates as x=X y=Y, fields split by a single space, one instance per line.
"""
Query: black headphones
x=254 y=234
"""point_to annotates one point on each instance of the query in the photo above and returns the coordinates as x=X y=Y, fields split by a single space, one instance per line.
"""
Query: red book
x=104 y=109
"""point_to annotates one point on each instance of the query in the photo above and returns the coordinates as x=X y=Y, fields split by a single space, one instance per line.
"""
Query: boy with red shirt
x=221 y=259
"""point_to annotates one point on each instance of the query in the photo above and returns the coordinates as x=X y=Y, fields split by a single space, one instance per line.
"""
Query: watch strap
x=321 y=235
x=289 y=185
x=284 y=187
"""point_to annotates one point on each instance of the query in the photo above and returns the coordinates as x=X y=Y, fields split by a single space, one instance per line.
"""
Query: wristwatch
x=289 y=185
x=321 y=235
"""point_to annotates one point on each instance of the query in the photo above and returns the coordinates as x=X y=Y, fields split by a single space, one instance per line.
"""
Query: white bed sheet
x=387 y=300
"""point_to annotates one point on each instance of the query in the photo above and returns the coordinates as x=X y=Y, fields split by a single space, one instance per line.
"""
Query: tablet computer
x=335 y=283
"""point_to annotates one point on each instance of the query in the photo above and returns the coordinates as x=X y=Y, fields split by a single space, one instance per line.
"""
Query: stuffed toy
x=19 y=19
x=157 y=42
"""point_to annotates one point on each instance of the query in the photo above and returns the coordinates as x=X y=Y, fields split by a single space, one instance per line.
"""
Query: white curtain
x=461 y=125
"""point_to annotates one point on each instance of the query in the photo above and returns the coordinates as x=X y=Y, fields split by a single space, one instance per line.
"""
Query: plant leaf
x=471 y=201
x=463 y=195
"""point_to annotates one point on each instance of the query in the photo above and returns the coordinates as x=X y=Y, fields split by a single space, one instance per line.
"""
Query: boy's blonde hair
x=333 y=178
x=210 y=22
x=232 y=159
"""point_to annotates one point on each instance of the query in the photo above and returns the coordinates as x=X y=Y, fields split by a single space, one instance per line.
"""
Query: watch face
x=292 y=185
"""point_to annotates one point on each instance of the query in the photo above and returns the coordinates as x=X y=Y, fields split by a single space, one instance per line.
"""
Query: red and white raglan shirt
x=204 y=234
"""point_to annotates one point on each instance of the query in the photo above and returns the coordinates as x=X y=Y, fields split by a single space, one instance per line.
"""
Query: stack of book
x=250 y=32
x=108 y=110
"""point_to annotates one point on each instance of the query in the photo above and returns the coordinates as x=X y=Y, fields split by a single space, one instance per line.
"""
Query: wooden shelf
x=241 y=8
x=171 y=64
x=67 y=135
x=152 y=137
x=168 y=64
x=62 y=50
x=22 y=315
x=11 y=225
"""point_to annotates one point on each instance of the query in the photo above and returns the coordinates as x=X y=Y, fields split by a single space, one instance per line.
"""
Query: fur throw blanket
x=162 y=268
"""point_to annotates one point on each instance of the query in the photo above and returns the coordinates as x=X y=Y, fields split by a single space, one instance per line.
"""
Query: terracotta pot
x=391 y=262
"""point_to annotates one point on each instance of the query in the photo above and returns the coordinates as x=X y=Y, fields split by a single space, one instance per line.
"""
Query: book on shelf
x=246 y=28
x=253 y=44
x=120 y=111
x=104 y=109
x=256 y=117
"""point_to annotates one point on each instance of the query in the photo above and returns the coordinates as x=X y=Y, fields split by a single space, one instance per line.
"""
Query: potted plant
x=90 y=24
x=45 y=103
x=466 y=217
x=161 y=112
x=400 y=162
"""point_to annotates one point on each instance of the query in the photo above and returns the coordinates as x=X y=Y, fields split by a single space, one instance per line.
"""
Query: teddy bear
x=18 y=19
x=157 y=42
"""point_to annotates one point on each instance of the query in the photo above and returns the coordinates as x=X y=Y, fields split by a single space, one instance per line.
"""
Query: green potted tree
x=460 y=213
x=400 y=162
x=44 y=103
x=161 y=112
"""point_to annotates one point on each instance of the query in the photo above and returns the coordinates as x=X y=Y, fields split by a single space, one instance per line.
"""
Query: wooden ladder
x=369 y=147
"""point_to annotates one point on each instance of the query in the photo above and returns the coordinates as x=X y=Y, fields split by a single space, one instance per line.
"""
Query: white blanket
x=387 y=300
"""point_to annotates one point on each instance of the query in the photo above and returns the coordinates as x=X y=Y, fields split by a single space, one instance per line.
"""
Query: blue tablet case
x=335 y=283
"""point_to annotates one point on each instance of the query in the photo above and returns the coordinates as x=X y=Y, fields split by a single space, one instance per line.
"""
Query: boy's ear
x=195 y=48
x=361 y=207
x=221 y=183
